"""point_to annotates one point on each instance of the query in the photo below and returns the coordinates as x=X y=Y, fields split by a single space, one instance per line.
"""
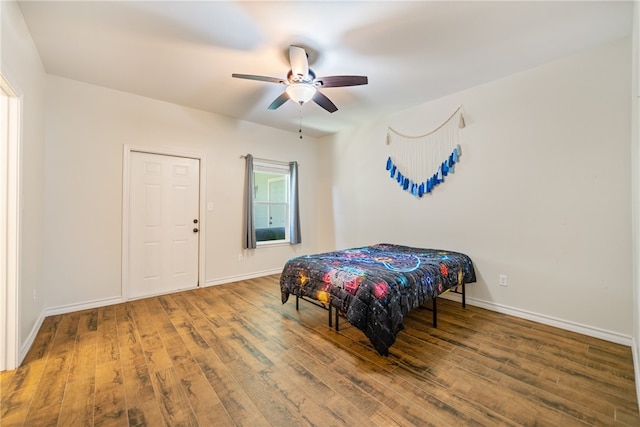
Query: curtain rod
x=267 y=160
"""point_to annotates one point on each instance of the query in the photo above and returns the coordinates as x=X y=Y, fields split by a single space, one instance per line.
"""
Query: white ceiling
x=185 y=52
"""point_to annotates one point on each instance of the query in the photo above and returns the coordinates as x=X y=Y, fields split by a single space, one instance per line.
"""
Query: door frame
x=128 y=149
x=10 y=237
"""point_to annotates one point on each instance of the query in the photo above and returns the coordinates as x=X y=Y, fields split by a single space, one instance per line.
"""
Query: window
x=271 y=205
x=271 y=202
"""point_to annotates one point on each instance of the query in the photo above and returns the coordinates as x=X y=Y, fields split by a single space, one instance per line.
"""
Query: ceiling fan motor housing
x=297 y=78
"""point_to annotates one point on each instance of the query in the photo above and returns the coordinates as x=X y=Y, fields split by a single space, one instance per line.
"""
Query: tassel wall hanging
x=420 y=163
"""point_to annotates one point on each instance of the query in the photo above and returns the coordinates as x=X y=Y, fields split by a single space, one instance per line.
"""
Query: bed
x=374 y=287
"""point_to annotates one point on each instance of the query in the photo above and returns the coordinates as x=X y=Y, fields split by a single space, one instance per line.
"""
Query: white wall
x=23 y=69
x=87 y=127
x=541 y=193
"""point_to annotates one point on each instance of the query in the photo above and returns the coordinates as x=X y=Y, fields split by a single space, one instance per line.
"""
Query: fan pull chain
x=300 y=127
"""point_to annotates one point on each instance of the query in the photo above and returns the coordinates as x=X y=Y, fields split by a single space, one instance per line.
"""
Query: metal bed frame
x=433 y=309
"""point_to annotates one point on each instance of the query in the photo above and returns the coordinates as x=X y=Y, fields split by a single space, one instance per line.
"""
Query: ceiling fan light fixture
x=301 y=92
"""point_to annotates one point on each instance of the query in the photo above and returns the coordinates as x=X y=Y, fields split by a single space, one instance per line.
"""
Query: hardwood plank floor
x=233 y=355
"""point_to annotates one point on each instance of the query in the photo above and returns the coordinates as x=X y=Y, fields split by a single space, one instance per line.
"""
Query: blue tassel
x=427 y=186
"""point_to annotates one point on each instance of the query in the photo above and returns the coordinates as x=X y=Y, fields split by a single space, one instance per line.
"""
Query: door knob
x=195 y=230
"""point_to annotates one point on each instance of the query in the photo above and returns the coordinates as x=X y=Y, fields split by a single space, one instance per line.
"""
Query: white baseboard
x=26 y=345
x=636 y=365
x=230 y=279
x=117 y=300
x=70 y=308
x=587 y=330
x=535 y=317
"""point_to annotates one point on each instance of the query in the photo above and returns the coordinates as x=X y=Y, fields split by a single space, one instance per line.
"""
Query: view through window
x=271 y=202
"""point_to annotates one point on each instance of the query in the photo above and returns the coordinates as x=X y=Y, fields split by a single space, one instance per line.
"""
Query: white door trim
x=10 y=240
x=128 y=149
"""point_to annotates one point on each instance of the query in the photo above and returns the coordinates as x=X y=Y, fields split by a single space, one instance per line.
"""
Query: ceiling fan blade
x=299 y=62
x=279 y=101
x=320 y=99
x=259 y=78
x=339 y=81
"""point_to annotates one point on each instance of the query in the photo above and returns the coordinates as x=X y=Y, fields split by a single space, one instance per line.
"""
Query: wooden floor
x=234 y=355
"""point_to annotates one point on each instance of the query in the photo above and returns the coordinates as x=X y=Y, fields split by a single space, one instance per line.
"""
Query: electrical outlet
x=502 y=280
x=240 y=257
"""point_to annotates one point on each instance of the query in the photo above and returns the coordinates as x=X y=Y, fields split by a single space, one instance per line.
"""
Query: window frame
x=282 y=171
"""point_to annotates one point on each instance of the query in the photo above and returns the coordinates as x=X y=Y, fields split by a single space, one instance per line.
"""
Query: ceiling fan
x=302 y=84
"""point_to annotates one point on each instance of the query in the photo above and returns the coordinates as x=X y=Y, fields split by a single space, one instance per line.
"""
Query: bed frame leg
x=435 y=312
x=464 y=294
x=297 y=301
x=337 y=317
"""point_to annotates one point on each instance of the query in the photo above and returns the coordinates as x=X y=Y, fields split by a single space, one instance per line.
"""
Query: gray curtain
x=294 y=210
x=249 y=230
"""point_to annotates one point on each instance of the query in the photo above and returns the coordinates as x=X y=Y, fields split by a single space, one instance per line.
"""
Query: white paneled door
x=164 y=227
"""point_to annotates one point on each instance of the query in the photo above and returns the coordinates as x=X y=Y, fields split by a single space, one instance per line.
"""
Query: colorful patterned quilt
x=376 y=286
